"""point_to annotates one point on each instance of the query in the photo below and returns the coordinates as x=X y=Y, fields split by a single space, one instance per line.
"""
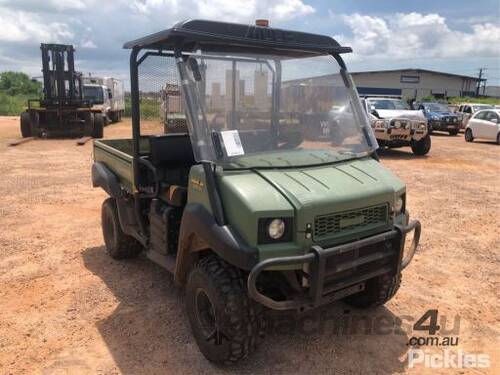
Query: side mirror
x=110 y=95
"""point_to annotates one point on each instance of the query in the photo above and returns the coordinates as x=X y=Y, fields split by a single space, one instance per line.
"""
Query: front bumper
x=444 y=125
x=319 y=290
x=395 y=135
x=399 y=130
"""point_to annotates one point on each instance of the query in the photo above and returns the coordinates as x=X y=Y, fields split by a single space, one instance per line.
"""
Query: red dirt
x=67 y=308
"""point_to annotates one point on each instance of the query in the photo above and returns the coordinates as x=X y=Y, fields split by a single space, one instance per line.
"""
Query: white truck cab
x=107 y=96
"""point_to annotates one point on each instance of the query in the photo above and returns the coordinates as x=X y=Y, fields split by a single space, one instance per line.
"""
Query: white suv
x=396 y=125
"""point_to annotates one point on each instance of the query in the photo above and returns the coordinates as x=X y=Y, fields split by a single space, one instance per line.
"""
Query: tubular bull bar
x=318 y=294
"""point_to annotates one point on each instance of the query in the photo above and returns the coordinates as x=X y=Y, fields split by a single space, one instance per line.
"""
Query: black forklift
x=62 y=111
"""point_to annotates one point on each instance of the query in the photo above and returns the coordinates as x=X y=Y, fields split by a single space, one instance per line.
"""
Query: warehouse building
x=491 y=91
x=414 y=83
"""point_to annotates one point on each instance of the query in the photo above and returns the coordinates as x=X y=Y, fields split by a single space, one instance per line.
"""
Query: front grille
x=340 y=272
x=338 y=224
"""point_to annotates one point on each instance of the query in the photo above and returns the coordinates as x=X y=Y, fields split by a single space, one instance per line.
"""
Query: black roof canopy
x=224 y=36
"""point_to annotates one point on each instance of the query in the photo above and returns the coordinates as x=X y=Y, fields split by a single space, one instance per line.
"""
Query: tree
x=17 y=83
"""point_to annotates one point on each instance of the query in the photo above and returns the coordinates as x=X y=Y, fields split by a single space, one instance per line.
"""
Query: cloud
x=224 y=10
x=416 y=35
x=289 y=9
x=19 y=26
x=220 y=9
x=47 y=5
x=69 y=4
x=99 y=28
x=149 y=6
x=88 y=44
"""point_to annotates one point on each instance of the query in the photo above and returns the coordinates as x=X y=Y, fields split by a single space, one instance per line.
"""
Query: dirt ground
x=67 y=308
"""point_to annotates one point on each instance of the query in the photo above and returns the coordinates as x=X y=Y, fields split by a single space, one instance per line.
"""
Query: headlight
x=276 y=229
x=380 y=124
x=435 y=118
x=399 y=204
x=420 y=125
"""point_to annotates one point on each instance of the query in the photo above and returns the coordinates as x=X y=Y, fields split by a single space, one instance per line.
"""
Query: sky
x=451 y=36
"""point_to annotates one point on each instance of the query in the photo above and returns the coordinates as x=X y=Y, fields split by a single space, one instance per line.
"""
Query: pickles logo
x=448 y=359
x=349 y=222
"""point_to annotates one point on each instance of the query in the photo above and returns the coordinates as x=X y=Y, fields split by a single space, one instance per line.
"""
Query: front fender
x=199 y=231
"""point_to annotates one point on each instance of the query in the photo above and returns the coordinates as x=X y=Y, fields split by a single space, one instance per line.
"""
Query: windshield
x=268 y=111
x=388 y=104
x=436 y=107
x=93 y=93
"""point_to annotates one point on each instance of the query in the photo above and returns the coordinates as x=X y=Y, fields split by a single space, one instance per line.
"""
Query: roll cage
x=210 y=36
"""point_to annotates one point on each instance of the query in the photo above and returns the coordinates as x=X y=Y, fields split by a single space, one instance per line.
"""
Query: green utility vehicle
x=275 y=197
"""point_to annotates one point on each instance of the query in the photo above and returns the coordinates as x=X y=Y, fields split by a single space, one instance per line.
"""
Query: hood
x=336 y=186
x=305 y=193
x=400 y=113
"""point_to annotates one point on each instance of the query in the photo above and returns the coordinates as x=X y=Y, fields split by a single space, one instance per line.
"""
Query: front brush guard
x=316 y=294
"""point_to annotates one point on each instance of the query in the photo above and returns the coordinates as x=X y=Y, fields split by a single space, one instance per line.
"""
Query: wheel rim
x=207 y=319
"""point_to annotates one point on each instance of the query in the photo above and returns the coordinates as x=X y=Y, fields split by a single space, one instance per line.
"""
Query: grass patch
x=458 y=100
x=150 y=108
x=12 y=105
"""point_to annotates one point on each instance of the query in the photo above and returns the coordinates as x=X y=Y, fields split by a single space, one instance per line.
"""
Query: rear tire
x=498 y=139
x=35 y=124
x=98 y=126
x=114 y=116
x=226 y=323
x=378 y=291
x=421 y=147
x=88 y=127
x=469 y=137
x=118 y=244
x=453 y=132
x=26 y=130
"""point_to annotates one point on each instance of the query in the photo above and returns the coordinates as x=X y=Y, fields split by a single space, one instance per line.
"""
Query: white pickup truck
x=107 y=96
x=396 y=125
